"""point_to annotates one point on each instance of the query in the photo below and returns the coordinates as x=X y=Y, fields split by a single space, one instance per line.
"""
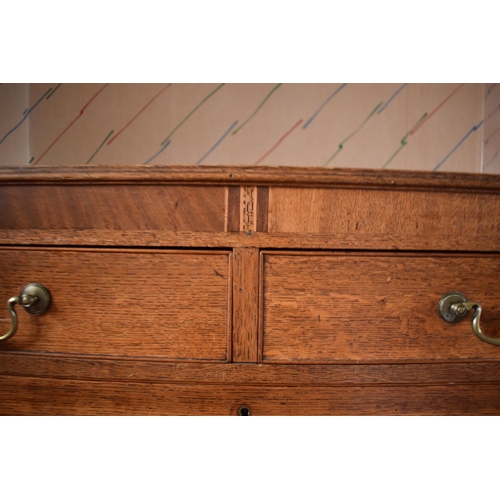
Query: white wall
x=298 y=124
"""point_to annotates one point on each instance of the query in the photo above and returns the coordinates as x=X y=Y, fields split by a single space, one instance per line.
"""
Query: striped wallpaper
x=440 y=127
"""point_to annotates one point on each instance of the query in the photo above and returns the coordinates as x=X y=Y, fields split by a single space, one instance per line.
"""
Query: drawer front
x=387 y=218
x=372 y=308
x=160 y=304
x=45 y=396
x=113 y=207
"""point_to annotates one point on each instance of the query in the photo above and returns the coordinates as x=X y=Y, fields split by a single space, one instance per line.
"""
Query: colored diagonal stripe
x=491 y=135
x=352 y=134
x=201 y=103
x=97 y=150
x=57 y=86
x=403 y=142
x=391 y=98
x=491 y=159
x=435 y=110
x=26 y=114
x=322 y=106
x=493 y=112
x=140 y=111
x=156 y=154
x=258 y=108
x=31 y=161
x=72 y=123
x=283 y=137
x=218 y=142
x=473 y=129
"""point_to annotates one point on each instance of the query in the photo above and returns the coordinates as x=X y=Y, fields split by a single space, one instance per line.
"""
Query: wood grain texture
x=429 y=216
x=262 y=208
x=254 y=176
x=164 y=304
x=323 y=308
x=245 y=304
x=233 y=209
x=248 y=209
x=171 y=208
x=153 y=371
x=136 y=331
x=350 y=241
x=69 y=397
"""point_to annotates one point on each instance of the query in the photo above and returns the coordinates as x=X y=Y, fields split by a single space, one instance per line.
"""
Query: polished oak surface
x=374 y=307
x=162 y=304
x=81 y=397
x=181 y=290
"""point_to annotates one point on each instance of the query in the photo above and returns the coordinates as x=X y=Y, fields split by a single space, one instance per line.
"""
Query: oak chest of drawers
x=270 y=291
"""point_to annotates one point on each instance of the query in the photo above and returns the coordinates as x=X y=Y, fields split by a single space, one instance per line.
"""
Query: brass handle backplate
x=34 y=298
x=453 y=308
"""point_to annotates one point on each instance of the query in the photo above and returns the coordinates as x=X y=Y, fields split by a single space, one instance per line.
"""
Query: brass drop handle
x=34 y=298
x=454 y=306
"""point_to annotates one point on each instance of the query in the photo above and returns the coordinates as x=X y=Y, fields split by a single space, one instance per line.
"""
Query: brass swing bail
x=35 y=299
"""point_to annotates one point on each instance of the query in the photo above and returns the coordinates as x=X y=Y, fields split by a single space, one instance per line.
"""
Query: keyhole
x=244 y=411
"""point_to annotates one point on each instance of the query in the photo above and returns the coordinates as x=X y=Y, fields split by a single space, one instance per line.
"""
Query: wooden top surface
x=249 y=175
